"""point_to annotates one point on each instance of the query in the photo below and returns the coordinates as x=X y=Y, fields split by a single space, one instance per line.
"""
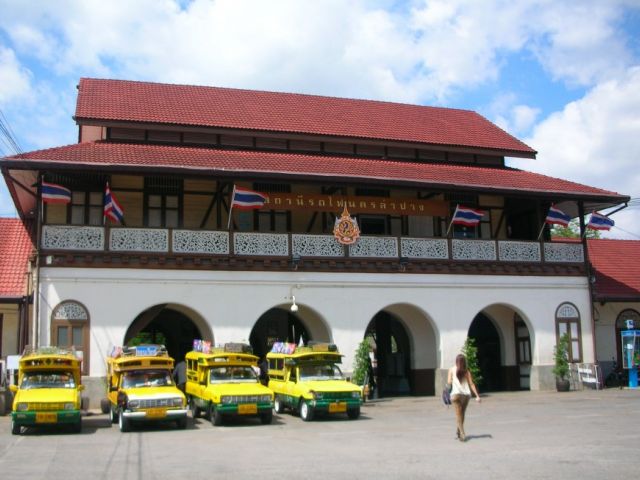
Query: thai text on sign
x=380 y=205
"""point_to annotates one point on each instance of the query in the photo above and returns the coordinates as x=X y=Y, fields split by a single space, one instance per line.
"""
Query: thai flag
x=557 y=216
x=52 y=193
x=600 y=222
x=112 y=208
x=244 y=199
x=467 y=216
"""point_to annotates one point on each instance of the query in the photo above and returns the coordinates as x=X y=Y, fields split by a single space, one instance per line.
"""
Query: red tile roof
x=616 y=264
x=15 y=248
x=127 y=101
x=617 y=268
x=116 y=156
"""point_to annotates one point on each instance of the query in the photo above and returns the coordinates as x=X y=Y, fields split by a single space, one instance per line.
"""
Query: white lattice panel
x=139 y=240
x=261 y=244
x=63 y=237
x=563 y=252
x=316 y=246
x=424 y=248
x=519 y=251
x=378 y=247
x=474 y=249
x=192 y=241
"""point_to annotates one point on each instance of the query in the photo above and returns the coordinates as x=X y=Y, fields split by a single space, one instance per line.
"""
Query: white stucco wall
x=437 y=310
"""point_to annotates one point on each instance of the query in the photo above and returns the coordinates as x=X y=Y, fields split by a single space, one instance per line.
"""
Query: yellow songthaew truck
x=48 y=389
x=140 y=387
x=222 y=382
x=308 y=380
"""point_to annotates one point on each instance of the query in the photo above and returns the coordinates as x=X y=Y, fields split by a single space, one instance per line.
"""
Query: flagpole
x=544 y=224
x=233 y=194
x=451 y=223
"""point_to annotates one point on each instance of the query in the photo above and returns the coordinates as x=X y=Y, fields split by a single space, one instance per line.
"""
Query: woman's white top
x=458 y=387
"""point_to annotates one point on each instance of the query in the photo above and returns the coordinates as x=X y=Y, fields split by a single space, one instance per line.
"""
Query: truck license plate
x=46 y=417
x=156 y=413
x=337 y=407
x=247 y=408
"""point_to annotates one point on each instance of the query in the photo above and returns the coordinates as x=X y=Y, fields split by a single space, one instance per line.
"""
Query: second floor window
x=86 y=208
x=163 y=203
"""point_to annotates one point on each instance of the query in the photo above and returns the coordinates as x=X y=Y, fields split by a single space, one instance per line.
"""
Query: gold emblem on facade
x=346 y=228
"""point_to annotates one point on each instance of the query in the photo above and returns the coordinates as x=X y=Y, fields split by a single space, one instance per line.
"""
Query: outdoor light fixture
x=295 y=260
x=294 y=307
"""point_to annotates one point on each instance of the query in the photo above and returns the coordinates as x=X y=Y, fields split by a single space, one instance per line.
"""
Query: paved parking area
x=585 y=435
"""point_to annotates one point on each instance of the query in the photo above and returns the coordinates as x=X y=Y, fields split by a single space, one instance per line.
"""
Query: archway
x=487 y=341
x=392 y=354
x=173 y=325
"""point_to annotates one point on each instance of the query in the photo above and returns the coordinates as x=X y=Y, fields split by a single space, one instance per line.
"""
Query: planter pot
x=562 y=385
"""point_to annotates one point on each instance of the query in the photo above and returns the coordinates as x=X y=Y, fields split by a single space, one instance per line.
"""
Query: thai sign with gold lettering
x=379 y=205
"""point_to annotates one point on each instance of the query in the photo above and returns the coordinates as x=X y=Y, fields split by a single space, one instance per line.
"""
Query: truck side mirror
x=80 y=388
x=13 y=388
x=113 y=388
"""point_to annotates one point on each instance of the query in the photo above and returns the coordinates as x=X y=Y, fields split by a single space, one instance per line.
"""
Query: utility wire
x=7 y=135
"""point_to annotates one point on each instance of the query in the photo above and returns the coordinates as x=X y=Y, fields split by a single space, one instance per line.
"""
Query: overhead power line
x=7 y=136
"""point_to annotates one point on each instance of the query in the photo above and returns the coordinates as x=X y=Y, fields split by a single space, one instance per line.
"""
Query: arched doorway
x=487 y=341
x=277 y=325
x=172 y=325
x=392 y=354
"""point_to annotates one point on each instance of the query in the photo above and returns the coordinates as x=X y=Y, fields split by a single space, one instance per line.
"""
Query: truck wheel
x=353 y=413
x=113 y=415
x=278 y=405
x=182 y=423
x=216 y=417
x=15 y=428
x=195 y=410
x=124 y=423
x=105 y=405
x=306 y=413
x=77 y=427
x=266 y=418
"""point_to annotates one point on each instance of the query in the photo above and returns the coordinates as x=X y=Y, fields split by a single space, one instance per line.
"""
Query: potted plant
x=561 y=366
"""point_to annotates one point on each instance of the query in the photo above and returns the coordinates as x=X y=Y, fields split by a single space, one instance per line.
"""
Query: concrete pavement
x=586 y=435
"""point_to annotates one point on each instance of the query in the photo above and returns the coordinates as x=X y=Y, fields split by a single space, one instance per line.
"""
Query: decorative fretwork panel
x=563 y=252
x=316 y=246
x=69 y=311
x=424 y=248
x=139 y=240
x=566 y=310
x=191 y=241
x=259 y=244
x=519 y=251
x=474 y=249
x=62 y=237
x=379 y=247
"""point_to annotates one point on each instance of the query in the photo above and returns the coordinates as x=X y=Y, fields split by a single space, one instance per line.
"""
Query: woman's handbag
x=446 y=395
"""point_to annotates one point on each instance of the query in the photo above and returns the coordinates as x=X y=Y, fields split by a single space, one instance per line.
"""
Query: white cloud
x=14 y=78
x=596 y=141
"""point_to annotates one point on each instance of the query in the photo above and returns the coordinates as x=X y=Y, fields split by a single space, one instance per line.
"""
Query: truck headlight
x=133 y=403
x=316 y=395
x=69 y=406
x=176 y=402
x=225 y=400
x=355 y=394
x=265 y=398
x=22 y=406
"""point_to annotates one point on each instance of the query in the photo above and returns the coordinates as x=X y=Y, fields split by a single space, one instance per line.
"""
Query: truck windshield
x=235 y=374
x=320 y=372
x=32 y=380
x=146 y=378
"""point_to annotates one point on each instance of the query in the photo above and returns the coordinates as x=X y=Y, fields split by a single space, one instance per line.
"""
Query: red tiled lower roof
x=15 y=248
x=617 y=269
x=128 y=101
x=117 y=156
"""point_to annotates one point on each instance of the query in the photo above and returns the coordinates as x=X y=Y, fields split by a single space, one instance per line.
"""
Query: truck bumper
x=31 y=418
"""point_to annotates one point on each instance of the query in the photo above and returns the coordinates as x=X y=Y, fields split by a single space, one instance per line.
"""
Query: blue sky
x=563 y=76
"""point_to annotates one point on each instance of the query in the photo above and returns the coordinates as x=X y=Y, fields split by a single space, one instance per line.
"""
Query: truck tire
x=266 y=417
x=182 y=423
x=124 y=423
x=15 y=428
x=306 y=412
x=3 y=404
x=105 y=405
x=195 y=410
x=113 y=415
x=353 y=413
x=278 y=405
x=216 y=417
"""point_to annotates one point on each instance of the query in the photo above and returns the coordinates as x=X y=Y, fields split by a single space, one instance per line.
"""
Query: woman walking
x=462 y=385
